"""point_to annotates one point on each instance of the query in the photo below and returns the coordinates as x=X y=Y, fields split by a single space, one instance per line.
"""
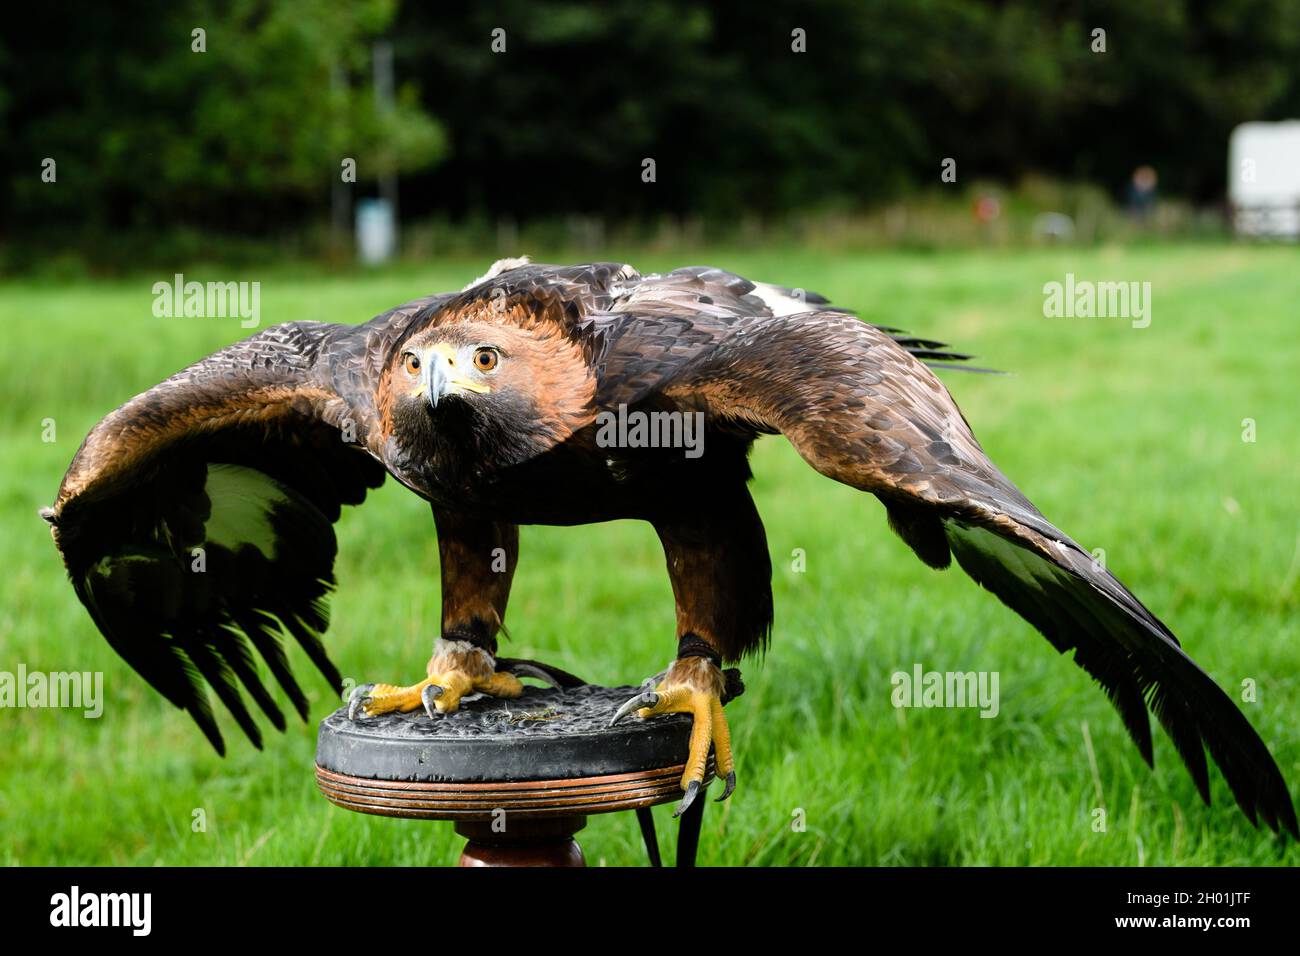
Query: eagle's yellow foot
x=692 y=686
x=456 y=670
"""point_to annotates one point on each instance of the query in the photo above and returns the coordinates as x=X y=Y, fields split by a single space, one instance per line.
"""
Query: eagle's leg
x=456 y=670
x=478 y=559
x=721 y=577
x=692 y=685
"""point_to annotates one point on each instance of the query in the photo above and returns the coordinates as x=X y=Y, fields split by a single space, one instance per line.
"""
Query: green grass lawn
x=1129 y=439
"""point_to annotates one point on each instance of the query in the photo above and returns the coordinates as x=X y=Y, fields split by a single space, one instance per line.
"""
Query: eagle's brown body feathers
x=249 y=454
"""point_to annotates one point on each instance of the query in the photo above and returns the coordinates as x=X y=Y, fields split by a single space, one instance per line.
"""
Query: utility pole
x=384 y=96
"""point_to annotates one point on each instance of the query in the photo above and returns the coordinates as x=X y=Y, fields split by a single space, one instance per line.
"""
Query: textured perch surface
x=548 y=753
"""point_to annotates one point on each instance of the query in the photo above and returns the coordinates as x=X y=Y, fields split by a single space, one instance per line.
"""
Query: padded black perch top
x=546 y=734
x=548 y=759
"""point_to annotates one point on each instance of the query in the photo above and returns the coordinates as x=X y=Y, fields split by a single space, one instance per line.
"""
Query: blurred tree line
x=527 y=109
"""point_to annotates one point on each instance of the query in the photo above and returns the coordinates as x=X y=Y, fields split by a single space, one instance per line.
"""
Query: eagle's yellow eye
x=412 y=363
x=485 y=359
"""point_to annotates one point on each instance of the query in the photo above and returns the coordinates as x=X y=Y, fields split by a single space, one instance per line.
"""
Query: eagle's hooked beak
x=440 y=377
x=437 y=377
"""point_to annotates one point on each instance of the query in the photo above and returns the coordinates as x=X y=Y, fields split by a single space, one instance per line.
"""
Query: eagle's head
x=483 y=389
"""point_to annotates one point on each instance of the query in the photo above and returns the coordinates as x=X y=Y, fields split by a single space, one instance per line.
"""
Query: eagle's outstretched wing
x=196 y=519
x=862 y=410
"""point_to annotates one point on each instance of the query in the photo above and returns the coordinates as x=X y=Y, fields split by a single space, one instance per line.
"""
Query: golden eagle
x=489 y=403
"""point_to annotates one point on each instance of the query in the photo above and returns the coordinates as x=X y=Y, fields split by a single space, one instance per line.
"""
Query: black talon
x=427 y=696
x=647 y=698
x=523 y=669
x=360 y=697
x=562 y=680
x=730 y=787
x=692 y=791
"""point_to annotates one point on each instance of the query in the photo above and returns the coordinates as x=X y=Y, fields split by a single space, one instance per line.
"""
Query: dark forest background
x=246 y=139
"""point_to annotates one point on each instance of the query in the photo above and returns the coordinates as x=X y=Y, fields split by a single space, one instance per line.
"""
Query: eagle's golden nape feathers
x=248 y=456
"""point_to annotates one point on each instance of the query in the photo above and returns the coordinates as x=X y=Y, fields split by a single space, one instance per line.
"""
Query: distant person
x=987 y=209
x=1142 y=192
